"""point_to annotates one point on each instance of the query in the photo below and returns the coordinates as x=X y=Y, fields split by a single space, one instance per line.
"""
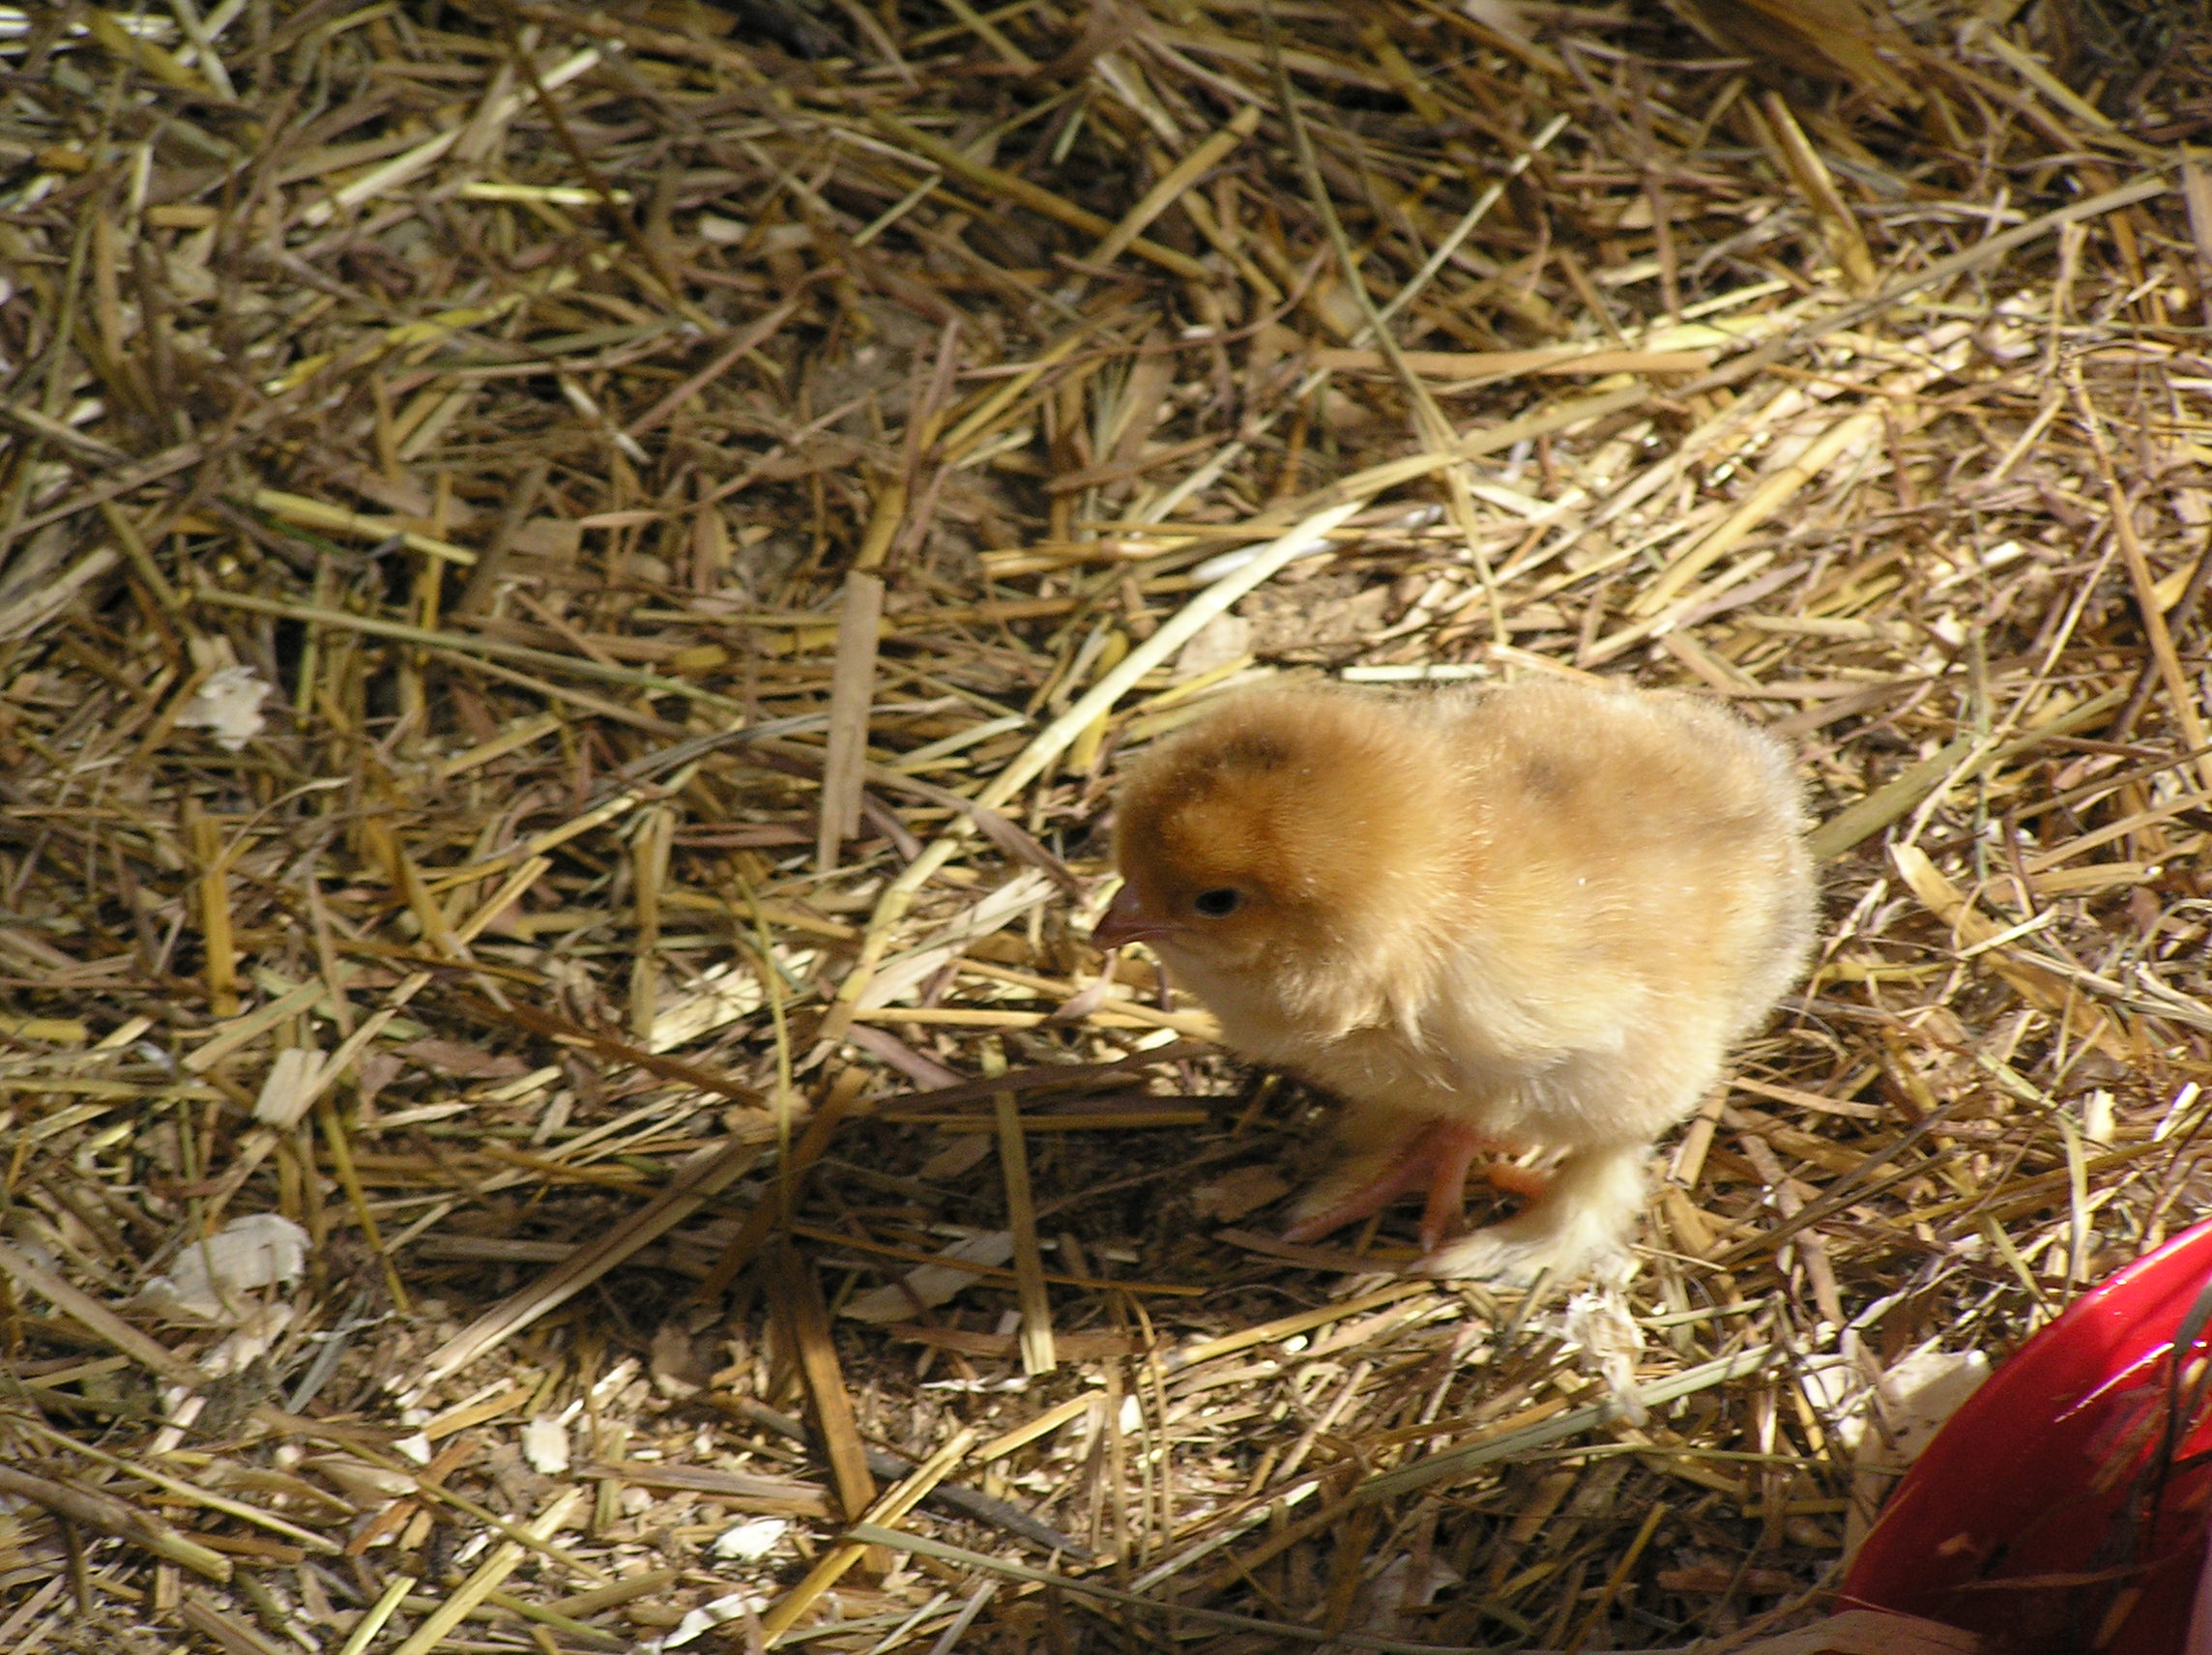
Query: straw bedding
x=573 y=582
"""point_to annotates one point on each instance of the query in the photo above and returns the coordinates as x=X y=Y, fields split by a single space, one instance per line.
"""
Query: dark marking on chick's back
x=1256 y=750
x=1545 y=779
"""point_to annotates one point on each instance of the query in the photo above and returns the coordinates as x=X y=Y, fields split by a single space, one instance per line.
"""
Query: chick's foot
x=1587 y=1213
x=1436 y=1161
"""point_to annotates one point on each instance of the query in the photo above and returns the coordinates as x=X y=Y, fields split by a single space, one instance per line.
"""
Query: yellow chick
x=1494 y=919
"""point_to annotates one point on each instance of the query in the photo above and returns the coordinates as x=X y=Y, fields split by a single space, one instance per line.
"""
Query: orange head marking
x=1281 y=830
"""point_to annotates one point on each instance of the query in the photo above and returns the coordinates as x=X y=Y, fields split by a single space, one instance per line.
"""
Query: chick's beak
x=1126 y=921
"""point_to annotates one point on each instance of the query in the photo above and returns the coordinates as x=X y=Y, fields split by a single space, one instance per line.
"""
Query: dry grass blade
x=31 y=1277
x=895 y=1503
x=805 y=1322
x=110 y=1516
x=1037 y=1352
x=503 y=1561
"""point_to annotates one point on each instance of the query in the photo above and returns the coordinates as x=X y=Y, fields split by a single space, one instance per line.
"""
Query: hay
x=571 y=584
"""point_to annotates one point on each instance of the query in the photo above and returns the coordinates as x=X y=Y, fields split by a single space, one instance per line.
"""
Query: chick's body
x=1524 y=917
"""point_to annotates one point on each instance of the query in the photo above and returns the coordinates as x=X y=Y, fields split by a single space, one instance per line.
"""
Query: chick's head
x=1290 y=828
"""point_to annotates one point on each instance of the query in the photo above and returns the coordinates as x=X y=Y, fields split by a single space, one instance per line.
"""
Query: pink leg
x=1435 y=1160
x=1406 y=1173
x=1453 y=1149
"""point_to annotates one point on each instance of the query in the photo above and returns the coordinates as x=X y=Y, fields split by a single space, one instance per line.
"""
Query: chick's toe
x=1585 y=1213
x=1436 y=1162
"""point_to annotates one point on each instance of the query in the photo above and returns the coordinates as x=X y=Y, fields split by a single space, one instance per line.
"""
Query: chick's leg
x=1435 y=1161
x=1402 y=1174
x=1588 y=1210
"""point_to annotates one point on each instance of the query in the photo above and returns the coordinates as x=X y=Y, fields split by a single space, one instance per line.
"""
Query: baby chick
x=1529 y=916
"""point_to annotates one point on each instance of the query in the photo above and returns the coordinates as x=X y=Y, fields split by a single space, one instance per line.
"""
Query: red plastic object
x=2031 y=1481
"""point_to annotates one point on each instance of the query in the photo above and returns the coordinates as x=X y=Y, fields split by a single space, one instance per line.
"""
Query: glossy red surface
x=2031 y=1479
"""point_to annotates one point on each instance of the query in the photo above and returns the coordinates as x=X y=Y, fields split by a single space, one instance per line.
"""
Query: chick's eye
x=1217 y=904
